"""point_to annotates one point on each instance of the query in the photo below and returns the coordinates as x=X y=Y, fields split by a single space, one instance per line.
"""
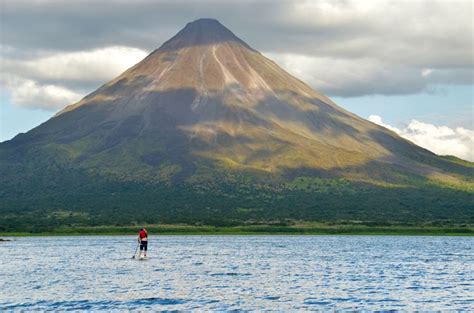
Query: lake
x=238 y=273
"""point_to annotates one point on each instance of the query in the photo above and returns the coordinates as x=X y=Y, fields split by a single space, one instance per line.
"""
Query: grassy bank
x=304 y=229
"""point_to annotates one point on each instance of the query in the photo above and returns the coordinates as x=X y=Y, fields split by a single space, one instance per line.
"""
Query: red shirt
x=142 y=234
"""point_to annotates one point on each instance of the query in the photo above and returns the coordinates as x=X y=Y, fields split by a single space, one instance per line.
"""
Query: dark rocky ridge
x=203 y=31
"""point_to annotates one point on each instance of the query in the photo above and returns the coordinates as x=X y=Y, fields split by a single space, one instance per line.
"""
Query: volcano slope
x=207 y=130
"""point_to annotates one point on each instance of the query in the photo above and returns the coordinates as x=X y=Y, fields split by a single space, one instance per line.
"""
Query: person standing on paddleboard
x=143 y=240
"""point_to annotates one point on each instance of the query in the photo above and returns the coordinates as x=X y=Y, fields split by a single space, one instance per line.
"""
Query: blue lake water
x=238 y=273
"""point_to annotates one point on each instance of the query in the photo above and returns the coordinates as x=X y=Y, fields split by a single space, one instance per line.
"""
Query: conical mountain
x=207 y=92
x=208 y=118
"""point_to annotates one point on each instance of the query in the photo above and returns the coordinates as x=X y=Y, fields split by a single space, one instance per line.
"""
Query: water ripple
x=240 y=273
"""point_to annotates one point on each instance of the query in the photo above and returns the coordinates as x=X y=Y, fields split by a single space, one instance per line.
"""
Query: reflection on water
x=239 y=272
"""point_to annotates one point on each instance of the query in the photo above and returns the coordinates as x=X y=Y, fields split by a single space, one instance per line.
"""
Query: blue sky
x=407 y=65
x=446 y=105
x=16 y=119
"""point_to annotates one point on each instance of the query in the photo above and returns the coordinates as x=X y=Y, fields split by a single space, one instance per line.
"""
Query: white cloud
x=378 y=120
x=29 y=93
x=348 y=78
x=41 y=82
x=434 y=32
x=426 y=72
x=441 y=140
x=97 y=64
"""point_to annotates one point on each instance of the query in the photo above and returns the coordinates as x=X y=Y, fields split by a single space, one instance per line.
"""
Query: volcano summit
x=207 y=130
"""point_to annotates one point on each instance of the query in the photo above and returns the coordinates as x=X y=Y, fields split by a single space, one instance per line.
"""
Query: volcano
x=207 y=129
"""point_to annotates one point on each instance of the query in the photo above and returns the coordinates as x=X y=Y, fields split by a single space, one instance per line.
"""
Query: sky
x=406 y=65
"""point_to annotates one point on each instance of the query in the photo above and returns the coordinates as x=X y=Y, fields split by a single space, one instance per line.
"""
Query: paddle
x=133 y=257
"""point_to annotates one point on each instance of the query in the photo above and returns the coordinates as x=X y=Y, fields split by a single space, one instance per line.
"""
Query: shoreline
x=179 y=230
